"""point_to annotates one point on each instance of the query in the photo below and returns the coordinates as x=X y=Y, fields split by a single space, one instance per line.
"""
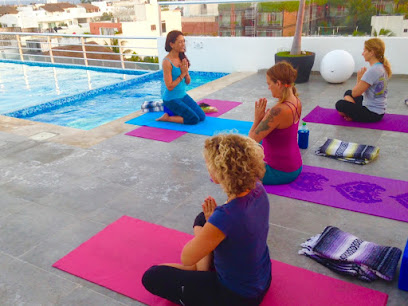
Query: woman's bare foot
x=345 y=117
x=165 y=117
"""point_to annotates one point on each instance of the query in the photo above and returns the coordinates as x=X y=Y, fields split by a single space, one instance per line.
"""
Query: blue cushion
x=403 y=276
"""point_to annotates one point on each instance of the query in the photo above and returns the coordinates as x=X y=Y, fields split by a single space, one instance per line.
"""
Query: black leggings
x=193 y=287
x=356 y=111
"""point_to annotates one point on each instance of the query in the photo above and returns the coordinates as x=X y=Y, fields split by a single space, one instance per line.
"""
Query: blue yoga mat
x=210 y=126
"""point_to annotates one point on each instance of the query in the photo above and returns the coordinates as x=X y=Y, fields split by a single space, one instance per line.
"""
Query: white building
x=194 y=10
x=147 y=23
x=397 y=24
x=48 y=16
x=104 y=6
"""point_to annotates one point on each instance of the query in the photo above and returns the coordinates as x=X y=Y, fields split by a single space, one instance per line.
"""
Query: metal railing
x=113 y=51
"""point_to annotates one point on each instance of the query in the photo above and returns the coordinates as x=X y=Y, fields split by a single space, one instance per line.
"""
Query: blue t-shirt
x=375 y=97
x=242 y=259
x=179 y=91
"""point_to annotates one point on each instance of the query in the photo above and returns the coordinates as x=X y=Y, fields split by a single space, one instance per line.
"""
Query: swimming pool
x=91 y=108
x=24 y=85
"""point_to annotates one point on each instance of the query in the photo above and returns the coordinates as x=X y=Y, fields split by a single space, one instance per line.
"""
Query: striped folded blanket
x=152 y=106
x=346 y=254
x=348 y=151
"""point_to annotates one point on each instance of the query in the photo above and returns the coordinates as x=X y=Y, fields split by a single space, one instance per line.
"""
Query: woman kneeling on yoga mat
x=179 y=107
x=231 y=236
x=372 y=82
x=277 y=127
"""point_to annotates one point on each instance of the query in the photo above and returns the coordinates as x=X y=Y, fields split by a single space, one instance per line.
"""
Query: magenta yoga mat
x=169 y=135
x=390 y=122
x=362 y=193
x=117 y=257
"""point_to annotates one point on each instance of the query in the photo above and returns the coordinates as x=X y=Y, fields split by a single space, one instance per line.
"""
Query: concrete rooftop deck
x=58 y=192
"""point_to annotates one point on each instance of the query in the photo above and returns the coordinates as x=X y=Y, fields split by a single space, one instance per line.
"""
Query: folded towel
x=207 y=108
x=348 y=151
x=346 y=254
x=152 y=106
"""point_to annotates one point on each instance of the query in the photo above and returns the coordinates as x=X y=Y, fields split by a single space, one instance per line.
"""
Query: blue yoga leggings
x=276 y=177
x=187 y=108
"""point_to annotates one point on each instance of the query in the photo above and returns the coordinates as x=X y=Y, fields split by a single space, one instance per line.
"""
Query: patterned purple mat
x=372 y=195
x=390 y=122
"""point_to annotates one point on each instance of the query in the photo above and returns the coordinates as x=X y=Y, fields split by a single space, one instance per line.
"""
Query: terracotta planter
x=303 y=64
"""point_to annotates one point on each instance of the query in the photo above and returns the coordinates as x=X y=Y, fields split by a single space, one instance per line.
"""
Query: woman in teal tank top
x=178 y=105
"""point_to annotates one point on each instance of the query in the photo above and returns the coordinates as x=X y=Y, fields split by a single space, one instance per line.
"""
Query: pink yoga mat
x=390 y=122
x=117 y=257
x=367 y=194
x=169 y=135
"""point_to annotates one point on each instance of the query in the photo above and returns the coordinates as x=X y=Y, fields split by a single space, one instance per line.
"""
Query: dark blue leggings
x=187 y=108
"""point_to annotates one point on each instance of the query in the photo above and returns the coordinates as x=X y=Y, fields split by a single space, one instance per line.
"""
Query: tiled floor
x=56 y=195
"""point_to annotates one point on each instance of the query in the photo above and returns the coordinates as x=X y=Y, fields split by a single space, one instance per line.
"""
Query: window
x=153 y=27
x=163 y=26
x=405 y=30
x=107 y=31
x=203 y=9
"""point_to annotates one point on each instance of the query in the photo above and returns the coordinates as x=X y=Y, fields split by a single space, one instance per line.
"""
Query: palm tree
x=383 y=32
x=297 y=39
x=399 y=3
x=359 y=14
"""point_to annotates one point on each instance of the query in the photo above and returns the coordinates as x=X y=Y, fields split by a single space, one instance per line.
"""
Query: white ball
x=337 y=66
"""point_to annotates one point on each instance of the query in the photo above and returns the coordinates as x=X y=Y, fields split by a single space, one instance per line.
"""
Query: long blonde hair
x=377 y=46
x=236 y=162
x=284 y=72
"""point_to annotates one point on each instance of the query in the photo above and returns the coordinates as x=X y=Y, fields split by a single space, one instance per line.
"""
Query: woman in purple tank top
x=277 y=127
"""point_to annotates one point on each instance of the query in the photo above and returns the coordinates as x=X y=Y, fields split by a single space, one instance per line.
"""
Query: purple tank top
x=281 y=148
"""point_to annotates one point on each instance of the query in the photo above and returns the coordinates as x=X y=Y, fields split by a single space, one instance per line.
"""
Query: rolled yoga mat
x=169 y=135
x=362 y=193
x=117 y=257
x=390 y=122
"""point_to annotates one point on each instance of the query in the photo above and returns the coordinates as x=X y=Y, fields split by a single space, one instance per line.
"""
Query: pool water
x=94 y=111
x=86 y=109
x=26 y=85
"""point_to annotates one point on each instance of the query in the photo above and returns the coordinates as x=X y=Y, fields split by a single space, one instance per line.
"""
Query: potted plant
x=301 y=60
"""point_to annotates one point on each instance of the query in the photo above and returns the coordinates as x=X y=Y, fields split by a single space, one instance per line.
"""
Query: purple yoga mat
x=169 y=135
x=390 y=122
x=367 y=194
x=155 y=133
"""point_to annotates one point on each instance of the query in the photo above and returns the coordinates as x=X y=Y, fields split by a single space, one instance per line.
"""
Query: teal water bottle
x=303 y=136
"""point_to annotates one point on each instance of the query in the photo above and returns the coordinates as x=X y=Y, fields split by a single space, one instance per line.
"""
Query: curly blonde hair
x=235 y=161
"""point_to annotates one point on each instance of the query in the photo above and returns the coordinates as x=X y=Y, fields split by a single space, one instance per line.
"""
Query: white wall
x=231 y=54
x=394 y=23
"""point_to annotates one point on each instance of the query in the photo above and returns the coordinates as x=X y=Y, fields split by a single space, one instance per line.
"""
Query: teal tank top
x=179 y=91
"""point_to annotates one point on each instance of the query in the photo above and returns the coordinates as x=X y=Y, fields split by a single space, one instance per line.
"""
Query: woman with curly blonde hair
x=232 y=236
